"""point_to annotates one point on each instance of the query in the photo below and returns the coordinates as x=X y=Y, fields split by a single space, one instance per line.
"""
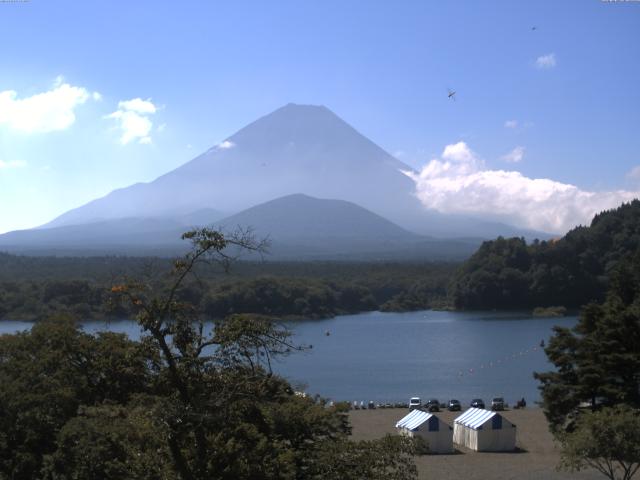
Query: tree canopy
x=592 y=398
x=184 y=402
x=597 y=361
x=571 y=271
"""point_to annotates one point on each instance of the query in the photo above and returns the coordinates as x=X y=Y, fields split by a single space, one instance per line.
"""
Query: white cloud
x=227 y=144
x=511 y=124
x=43 y=112
x=514 y=156
x=12 y=164
x=133 y=121
x=546 y=61
x=634 y=173
x=459 y=182
x=137 y=105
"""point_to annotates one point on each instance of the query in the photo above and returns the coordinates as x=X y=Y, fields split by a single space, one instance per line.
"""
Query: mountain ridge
x=300 y=227
x=296 y=149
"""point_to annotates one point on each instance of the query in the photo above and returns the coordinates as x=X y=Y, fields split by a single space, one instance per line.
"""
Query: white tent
x=484 y=431
x=436 y=433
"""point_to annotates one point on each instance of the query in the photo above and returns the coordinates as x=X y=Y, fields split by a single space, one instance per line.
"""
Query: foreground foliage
x=592 y=399
x=607 y=440
x=598 y=361
x=186 y=402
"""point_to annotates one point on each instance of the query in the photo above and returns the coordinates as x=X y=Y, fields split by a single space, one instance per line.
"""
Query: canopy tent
x=484 y=431
x=435 y=432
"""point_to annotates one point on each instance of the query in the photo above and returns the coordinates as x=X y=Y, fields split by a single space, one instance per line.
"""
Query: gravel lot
x=536 y=457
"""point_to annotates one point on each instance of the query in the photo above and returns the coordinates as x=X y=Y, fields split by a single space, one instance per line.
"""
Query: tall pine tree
x=598 y=361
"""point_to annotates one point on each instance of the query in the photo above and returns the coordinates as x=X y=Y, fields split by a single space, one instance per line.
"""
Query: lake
x=389 y=357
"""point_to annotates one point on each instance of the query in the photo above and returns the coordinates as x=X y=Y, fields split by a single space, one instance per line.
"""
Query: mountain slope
x=297 y=148
x=299 y=228
x=303 y=218
x=302 y=227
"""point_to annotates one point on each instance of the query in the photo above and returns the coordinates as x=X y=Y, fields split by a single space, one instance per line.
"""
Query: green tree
x=607 y=440
x=598 y=361
x=186 y=402
x=109 y=442
x=224 y=413
x=390 y=458
x=47 y=374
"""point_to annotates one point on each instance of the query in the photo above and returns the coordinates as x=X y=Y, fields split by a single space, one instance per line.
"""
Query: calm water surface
x=388 y=357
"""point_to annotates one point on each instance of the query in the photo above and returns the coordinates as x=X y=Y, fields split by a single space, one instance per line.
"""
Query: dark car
x=454 y=405
x=433 y=405
x=477 y=403
x=497 y=404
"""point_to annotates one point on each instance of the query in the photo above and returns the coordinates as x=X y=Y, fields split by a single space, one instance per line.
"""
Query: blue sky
x=99 y=95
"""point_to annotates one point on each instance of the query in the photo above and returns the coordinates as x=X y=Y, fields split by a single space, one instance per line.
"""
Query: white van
x=414 y=403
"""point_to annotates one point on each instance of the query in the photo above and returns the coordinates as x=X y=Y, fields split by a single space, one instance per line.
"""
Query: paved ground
x=537 y=457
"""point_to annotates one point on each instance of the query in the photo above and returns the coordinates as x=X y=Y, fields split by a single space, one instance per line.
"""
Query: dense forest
x=35 y=287
x=177 y=404
x=502 y=274
x=569 y=272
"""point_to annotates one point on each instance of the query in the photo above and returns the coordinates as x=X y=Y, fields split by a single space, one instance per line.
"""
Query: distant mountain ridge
x=298 y=226
x=297 y=149
x=301 y=217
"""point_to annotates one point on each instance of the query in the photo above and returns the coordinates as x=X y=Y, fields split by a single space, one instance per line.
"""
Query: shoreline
x=536 y=455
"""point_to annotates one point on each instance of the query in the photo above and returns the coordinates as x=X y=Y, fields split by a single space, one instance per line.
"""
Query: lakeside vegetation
x=177 y=404
x=592 y=396
x=545 y=276
x=570 y=272
x=35 y=287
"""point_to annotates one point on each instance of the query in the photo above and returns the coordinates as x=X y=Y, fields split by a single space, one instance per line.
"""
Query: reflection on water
x=388 y=357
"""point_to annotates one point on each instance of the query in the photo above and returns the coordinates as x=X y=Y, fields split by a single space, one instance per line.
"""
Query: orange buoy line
x=499 y=361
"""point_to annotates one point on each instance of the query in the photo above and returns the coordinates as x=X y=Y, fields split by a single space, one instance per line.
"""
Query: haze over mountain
x=302 y=226
x=297 y=226
x=295 y=149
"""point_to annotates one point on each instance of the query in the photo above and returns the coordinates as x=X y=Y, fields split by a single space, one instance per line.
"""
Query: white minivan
x=414 y=403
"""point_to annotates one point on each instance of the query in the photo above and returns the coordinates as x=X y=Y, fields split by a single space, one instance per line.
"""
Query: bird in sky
x=452 y=95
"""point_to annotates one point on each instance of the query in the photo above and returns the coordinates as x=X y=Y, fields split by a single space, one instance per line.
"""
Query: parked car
x=477 y=403
x=433 y=405
x=454 y=405
x=497 y=404
x=414 y=403
x=371 y=405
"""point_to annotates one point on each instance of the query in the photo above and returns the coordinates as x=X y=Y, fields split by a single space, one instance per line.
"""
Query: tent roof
x=475 y=417
x=414 y=419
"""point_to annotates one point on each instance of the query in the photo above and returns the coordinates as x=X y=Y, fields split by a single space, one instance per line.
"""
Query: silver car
x=414 y=403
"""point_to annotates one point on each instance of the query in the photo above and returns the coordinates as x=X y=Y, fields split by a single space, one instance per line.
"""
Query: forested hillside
x=35 y=287
x=570 y=271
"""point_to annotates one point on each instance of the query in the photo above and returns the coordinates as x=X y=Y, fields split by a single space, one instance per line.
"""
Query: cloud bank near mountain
x=459 y=182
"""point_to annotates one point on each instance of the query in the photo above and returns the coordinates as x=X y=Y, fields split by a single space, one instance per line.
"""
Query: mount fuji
x=297 y=149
